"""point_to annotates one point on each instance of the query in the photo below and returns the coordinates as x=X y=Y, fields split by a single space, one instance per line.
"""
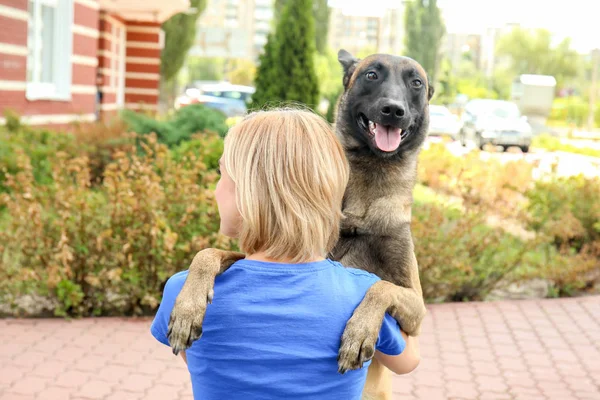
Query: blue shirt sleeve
x=390 y=339
x=160 y=324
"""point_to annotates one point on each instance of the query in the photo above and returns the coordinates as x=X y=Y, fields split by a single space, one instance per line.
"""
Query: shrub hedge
x=96 y=223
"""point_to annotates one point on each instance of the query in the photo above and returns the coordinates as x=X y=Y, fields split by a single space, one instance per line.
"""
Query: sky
x=577 y=19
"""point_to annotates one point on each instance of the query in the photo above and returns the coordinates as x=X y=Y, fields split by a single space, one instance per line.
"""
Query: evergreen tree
x=321 y=13
x=424 y=32
x=287 y=70
x=267 y=82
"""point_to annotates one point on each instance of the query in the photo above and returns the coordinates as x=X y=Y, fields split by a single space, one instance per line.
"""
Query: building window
x=49 y=45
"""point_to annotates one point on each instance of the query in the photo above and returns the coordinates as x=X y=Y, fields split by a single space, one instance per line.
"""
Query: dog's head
x=385 y=105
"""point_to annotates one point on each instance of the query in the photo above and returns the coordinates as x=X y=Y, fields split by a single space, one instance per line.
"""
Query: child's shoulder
x=355 y=273
x=175 y=282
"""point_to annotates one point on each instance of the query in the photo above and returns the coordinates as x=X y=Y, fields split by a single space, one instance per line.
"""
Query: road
x=567 y=164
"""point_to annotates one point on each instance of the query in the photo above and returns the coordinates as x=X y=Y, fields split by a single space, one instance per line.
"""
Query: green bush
x=569 y=110
x=181 y=126
x=488 y=184
x=38 y=145
x=567 y=209
x=108 y=249
x=460 y=257
x=561 y=214
x=551 y=143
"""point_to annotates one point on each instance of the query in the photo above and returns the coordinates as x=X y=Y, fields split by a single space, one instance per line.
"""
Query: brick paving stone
x=10 y=374
x=94 y=389
x=429 y=393
x=494 y=396
x=161 y=392
x=491 y=383
x=458 y=374
x=29 y=386
x=136 y=383
x=461 y=389
x=17 y=396
x=123 y=395
x=113 y=373
x=72 y=379
x=485 y=368
x=54 y=392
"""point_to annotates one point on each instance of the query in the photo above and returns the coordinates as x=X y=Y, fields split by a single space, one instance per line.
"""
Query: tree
x=267 y=82
x=321 y=13
x=532 y=52
x=205 y=68
x=287 y=70
x=424 y=32
x=180 y=32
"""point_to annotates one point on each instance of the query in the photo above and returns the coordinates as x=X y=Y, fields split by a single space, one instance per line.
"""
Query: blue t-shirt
x=273 y=332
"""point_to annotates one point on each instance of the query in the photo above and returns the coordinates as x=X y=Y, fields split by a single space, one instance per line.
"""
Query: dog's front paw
x=185 y=325
x=358 y=343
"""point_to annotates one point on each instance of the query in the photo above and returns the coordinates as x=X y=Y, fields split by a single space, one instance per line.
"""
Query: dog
x=382 y=121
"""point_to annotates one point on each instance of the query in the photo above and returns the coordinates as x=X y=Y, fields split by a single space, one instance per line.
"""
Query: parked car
x=495 y=122
x=230 y=99
x=442 y=122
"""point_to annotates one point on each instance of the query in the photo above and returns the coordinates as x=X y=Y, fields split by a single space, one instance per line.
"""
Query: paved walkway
x=548 y=349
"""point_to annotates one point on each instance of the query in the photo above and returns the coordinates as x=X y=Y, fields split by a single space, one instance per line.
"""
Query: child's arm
x=406 y=361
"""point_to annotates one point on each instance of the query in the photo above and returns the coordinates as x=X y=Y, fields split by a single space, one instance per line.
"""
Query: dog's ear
x=430 y=88
x=348 y=62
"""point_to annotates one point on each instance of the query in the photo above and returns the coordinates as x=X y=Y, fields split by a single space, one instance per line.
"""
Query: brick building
x=76 y=60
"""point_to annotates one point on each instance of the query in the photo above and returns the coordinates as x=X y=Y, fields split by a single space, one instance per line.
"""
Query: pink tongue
x=387 y=138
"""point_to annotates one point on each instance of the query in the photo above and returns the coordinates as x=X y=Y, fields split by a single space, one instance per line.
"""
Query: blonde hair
x=290 y=173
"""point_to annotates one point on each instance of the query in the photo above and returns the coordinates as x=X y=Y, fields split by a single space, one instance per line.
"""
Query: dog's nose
x=393 y=109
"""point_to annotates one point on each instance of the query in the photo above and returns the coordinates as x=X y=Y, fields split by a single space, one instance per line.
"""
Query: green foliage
x=460 y=257
x=424 y=32
x=332 y=106
x=567 y=210
x=532 y=52
x=241 y=72
x=562 y=243
x=268 y=76
x=329 y=71
x=287 y=70
x=180 y=33
x=40 y=146
x=108 y=250
x=321 y=13
x=554 y=144
x=446 y=88
x=205 y=68
x=181 y=126
x=572 y=110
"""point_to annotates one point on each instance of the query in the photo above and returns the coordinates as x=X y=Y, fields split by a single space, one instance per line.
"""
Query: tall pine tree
x=267 y=78
x=321 y=14
x=424 y=32
x=287 y=70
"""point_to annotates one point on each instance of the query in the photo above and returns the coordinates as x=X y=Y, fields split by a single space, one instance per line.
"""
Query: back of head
x=290 y=173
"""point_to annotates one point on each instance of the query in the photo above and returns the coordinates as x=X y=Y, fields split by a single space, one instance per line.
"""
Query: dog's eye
x=372 y=76
x=417 y=83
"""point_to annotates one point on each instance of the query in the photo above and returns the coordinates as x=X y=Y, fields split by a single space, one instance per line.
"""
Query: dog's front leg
x=362 y=330
x=185 y=325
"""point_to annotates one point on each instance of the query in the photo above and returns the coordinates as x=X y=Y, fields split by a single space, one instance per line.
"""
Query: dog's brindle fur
x=377 y=204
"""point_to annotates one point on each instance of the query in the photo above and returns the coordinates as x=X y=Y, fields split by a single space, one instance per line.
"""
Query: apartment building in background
x=355 y=31
x=233 y=29
x=78 y=60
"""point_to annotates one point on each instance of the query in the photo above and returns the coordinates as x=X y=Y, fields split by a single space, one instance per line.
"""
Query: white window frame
x=117 y=60
x=60 y=87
